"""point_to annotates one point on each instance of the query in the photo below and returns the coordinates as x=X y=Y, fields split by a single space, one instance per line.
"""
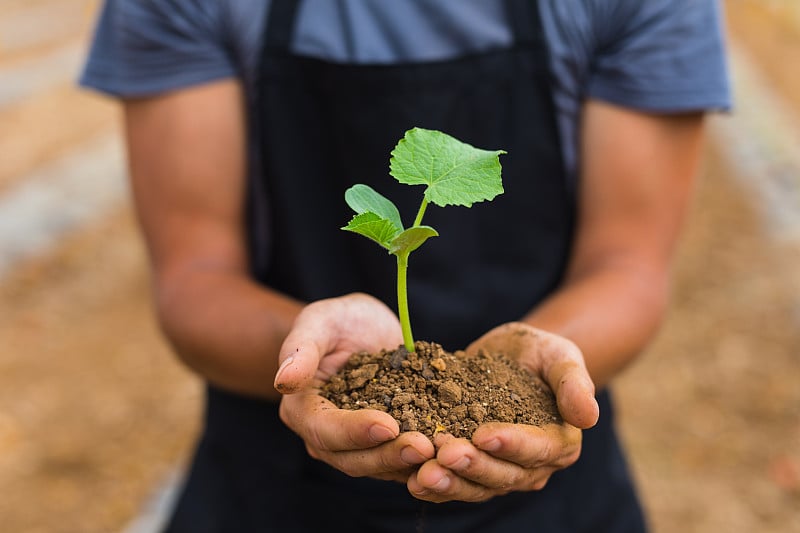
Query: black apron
x=324 y=126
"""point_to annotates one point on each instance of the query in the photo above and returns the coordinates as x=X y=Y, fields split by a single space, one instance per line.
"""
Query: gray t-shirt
x=662 y=56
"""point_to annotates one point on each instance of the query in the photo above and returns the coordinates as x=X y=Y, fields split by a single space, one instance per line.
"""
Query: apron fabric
x=324 y=126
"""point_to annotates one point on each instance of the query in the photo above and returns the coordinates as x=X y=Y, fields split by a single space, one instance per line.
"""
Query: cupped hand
x=502 y=458
x=359 y=443
x=557 y=360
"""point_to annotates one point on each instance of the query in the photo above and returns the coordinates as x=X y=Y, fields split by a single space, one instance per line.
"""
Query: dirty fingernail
x=380 y=433
x=283 y=367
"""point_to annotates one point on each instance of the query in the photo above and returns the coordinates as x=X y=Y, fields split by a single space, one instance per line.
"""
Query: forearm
x=225 y=327
x=187 y=156
x=637 y=171
x=610 y=312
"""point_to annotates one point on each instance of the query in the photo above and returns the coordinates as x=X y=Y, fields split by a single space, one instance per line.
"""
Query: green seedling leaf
x=364 y=199
x=373 y=226
x=411 y=239
x=455 y=172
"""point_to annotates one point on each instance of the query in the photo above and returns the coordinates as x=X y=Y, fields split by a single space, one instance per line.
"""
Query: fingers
x=462 y=472
x=394 y=460
x=299 y=360
x=311 y=340
x=561 y=364
x=530 y=447
x=327 y=332
x=437 y=484
x=566 y=373
x=359 y=443
x=327 y=428
x=502 y=458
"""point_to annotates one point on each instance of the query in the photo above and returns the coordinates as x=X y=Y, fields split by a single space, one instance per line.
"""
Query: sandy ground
x=95 y=413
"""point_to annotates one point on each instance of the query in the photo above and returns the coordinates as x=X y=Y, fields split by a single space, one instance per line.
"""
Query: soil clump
x=434 y=391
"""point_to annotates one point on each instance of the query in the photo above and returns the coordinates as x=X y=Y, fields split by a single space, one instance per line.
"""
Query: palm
x=555 y=359
x=327 y=332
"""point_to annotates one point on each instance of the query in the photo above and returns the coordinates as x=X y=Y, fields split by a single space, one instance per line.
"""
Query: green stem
x=402 y=301
x=421 y=212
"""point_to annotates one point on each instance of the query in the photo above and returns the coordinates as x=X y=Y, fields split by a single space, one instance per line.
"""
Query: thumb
x=299 y=359
x=574 y=392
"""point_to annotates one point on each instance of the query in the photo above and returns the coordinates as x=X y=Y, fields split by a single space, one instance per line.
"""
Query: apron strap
x=281 y=18
x=525 y=22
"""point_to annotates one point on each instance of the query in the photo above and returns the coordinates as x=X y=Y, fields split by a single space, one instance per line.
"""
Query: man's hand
x=555 y=359
x=365 y=442
x=503 y=458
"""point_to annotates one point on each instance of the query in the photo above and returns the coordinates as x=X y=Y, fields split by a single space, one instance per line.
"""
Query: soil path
x=95 y=414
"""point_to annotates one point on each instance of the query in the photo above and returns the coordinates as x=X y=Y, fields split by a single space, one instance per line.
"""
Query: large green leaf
x=455 y=172
x=364 y=199
x=374 y=227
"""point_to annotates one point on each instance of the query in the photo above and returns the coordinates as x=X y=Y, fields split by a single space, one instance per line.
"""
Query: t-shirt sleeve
x=662 y=56
x=144 y=47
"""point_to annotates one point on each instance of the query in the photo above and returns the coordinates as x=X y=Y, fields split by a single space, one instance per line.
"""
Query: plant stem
x=402 y=301
x=421 y=212
x=402 y=288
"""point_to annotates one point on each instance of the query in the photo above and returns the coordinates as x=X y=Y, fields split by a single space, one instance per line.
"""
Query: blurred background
x=97 y=419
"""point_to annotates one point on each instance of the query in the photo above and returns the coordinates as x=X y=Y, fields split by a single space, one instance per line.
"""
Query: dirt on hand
x=434 y=391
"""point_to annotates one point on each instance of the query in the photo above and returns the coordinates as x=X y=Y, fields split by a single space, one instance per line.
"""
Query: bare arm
x=636 y=182
x=187 y=163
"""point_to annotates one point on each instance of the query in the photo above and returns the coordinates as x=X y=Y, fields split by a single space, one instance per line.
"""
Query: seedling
x=454 y=173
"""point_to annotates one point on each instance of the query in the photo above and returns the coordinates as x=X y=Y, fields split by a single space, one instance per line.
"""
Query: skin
x=187 y=165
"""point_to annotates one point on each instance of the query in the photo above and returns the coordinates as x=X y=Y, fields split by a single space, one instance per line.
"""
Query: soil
x=434 y=391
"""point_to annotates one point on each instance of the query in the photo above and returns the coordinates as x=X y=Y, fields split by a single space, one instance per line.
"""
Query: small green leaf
x=411 y=239
x=373 y=227
x=364 y=199
x=455 y=172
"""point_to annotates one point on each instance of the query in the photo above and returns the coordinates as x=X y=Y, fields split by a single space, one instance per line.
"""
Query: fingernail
x=283 y=366
x=380 y=433
x=411 y=456
x=442 y=484
x=461 y=464
x=490 y=445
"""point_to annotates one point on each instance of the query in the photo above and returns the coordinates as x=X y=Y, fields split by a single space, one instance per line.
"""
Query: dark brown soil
x=434 y=391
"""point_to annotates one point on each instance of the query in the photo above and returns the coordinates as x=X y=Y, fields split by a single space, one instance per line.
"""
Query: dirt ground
x=711 y=412
x=95 y=413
